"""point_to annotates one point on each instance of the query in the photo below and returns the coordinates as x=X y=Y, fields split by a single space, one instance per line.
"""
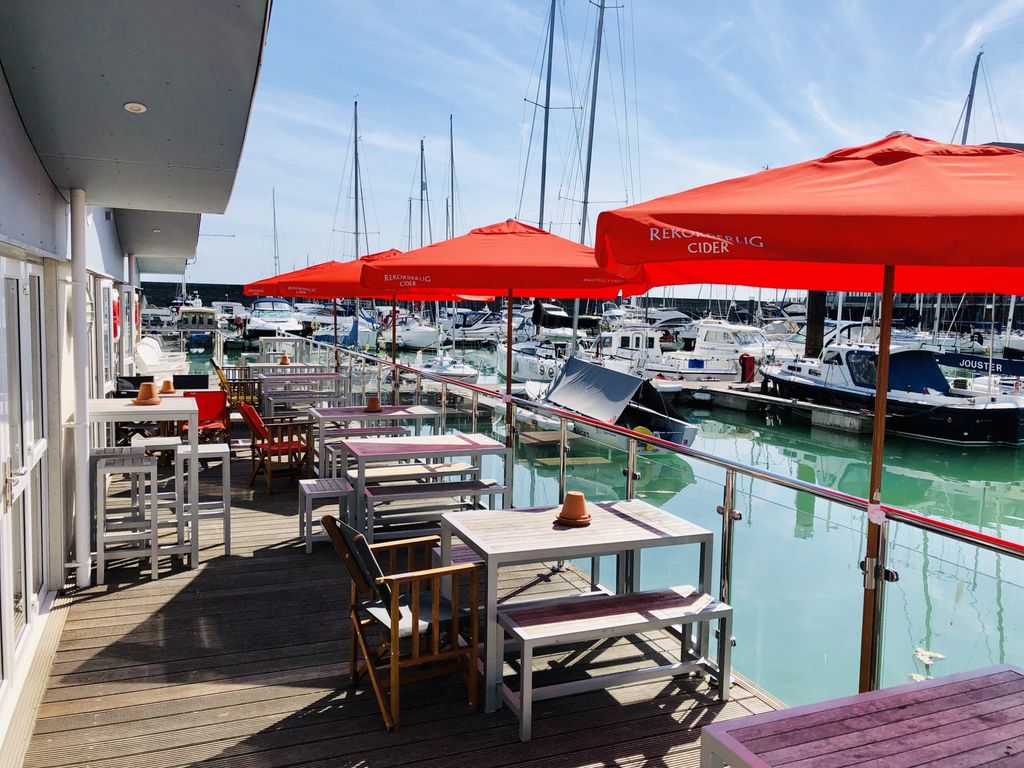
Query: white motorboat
x=636 y=350
x=269 y=317
x=536 y=360
x=411 y=333
x=476 y=326
x=446 y=365
x=719 y=344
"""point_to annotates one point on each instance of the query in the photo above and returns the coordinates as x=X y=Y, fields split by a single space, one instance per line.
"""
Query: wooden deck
x=241 y=662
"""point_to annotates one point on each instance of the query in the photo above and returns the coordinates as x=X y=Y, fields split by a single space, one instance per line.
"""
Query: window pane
x=13 y=366
x=18 y=549
x=35 y=320
x=36 y=531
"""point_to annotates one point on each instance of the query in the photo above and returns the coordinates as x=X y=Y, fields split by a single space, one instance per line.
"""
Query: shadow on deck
x=242 y=661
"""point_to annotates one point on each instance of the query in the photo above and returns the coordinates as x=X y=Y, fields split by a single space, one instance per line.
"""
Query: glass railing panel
x=955 y=608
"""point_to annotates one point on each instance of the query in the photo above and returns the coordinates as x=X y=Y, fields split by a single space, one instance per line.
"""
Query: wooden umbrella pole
x=394 y=349
x=508 y=347
x=874 y=561
x=337 y=355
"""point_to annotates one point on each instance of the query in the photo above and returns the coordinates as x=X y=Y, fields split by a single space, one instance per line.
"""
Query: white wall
x=103 y=254
x=33 y=215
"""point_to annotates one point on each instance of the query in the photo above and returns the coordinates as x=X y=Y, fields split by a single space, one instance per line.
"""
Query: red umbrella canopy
x=497 y=258
x=343 y=280
x=930 y=209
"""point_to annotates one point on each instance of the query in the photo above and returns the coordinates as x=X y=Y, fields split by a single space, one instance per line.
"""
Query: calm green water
x=797 y=587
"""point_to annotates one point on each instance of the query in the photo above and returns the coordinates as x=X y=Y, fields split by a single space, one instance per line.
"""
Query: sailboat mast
x=590 y=156
x=451 y=171
x=970 y=98
x=547 y=117
x=423 y=186
x=355 y=169
x=277 y=254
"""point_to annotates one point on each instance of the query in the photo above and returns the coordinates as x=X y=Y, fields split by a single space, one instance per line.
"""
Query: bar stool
x=130 y=525
x=312 y=491
x=207 y=509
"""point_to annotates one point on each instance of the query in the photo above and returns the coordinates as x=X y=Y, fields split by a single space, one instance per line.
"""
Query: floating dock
x=749 y=398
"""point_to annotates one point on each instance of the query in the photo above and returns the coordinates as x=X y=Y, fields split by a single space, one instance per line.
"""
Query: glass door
x=23 y=580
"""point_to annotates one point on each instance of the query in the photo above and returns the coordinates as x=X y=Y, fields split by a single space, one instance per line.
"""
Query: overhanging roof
x=72 y=66
x=161 y=242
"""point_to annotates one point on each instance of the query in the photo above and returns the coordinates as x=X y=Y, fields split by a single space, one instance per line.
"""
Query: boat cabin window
x=604 y=342
x=718 y=337
x=624 y=342
x=650 y=342
x=832 y=358
x=750 y=337
x=862 y=368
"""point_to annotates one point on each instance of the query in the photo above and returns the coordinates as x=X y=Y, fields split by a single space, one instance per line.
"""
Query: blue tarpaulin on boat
x=910 y=370
x=592 y=390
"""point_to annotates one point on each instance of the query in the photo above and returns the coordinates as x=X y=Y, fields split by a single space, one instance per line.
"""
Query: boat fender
x=748 y=368
x=647 y=433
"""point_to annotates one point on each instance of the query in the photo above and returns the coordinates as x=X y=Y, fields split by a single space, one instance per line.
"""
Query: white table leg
x=494 y=649
x=193 y=488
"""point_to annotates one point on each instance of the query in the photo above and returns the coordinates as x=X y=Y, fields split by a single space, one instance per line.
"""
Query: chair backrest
x=190 y=381
x=153 y=344
x=255 y=422
x=213 y=405
x=357 y=556
x=221 y=377
x=128 y=386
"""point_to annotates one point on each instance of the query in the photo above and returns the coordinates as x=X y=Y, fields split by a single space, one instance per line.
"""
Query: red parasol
x=902 y=213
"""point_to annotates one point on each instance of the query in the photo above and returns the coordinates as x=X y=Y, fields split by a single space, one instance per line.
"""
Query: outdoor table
x=271 y=381
x=517 y=536
x=171 y=410
x=277 y=368
x=375 y=450
x=310 y=397
x=967 y=720
x=358 y=413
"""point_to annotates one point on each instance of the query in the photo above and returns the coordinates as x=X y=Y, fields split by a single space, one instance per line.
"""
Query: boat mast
x=277 y=254
x=547 y=117
x=451 y=173
x=970 y=98
x=423 y=195
x=590 y=156
x=355 y=169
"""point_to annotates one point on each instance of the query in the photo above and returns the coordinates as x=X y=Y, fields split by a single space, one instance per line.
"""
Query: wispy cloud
x=1004 y=13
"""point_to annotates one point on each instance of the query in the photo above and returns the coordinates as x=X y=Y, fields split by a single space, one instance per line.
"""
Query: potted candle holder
x=147 y=394
x=574 y=510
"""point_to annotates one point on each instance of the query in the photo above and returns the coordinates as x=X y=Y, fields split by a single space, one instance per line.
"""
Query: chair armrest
x=398 y=543
x=430 y=573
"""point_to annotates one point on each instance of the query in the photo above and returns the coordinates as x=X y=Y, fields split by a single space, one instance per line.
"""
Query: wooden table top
x=421 y=445
x=123 y=409
x=962 y=721
x=535 y=532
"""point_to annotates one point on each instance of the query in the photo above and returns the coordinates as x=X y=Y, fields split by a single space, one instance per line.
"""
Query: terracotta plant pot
x=167 y=388
x=147 y=394
x=574 y=510
x=285 y=360
x=373 y=404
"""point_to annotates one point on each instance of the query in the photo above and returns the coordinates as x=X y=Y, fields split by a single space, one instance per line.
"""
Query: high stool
x=158 y=445
x=207 y=509
x=312 y=491
x=131 y=525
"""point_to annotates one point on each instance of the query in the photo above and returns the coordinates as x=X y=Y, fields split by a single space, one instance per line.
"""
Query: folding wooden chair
x=417 y=625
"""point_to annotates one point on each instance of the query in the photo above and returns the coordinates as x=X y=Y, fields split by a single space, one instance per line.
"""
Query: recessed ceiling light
x=156 y=231
x=135 y=107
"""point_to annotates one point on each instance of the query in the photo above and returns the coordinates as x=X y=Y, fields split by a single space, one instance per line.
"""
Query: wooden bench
x=420 y=472
x=558 y=622
x=408 y=507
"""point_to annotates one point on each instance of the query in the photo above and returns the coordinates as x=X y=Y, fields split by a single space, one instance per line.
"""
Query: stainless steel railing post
x=729 y=518
x=563 y=452
x=510 y=455
x=630 y=471
x=474 y=404
x=444 y=407
x=362 y=377
x=419 y=388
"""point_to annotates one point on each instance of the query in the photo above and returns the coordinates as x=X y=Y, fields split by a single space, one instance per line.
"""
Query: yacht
x=476 y=326
x=536 y=360
x=410 y=333
x=636 y=350
x=718 y=343
x=921 y=402
x=269 y=317
x=200 y=323
x=446 y=365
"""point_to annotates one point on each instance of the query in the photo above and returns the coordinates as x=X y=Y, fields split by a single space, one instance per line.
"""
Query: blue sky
x=690 y=93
